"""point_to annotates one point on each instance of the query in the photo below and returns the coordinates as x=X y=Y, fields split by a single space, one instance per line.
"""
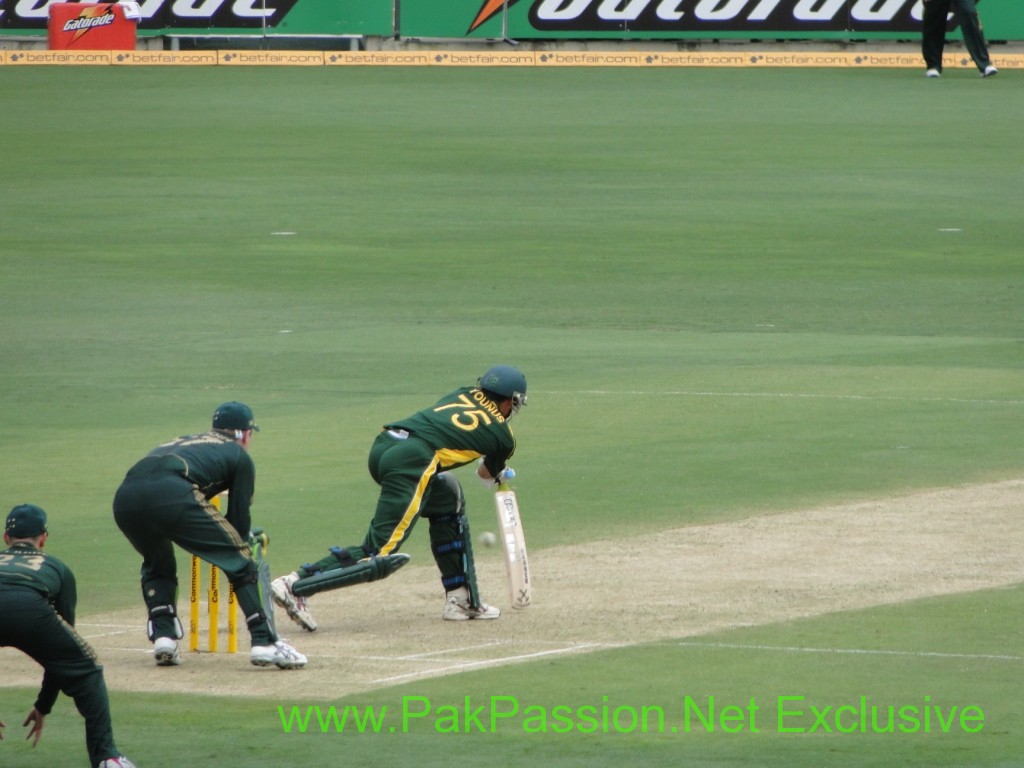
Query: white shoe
x=165 y=651
x=117 y=762
x=280 y=654
x=933 y=72
x=296 y=607
x=989 y=71
x=460 y=610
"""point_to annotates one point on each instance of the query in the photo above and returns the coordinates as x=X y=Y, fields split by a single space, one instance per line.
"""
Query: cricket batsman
x=410 y=459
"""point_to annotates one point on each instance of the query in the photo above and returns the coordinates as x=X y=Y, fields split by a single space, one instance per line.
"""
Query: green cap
x=234 y=415
x=26 y=521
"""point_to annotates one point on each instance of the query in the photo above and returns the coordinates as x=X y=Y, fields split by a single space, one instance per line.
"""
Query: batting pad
x=371 y=569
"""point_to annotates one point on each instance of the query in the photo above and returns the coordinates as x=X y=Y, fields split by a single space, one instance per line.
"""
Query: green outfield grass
x=733 y=293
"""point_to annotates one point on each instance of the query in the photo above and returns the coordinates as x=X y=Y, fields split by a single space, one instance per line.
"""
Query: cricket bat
x=513 y=542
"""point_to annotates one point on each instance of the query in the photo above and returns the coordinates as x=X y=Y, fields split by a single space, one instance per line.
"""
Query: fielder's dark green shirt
x=462 y=427
x=22 y=565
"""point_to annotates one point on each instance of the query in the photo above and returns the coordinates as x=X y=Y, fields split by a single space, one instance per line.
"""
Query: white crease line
x=439 y=663
x=445 y=651
x=490 y=662
x=431 y=655
x=851 y=651
x=84 y=628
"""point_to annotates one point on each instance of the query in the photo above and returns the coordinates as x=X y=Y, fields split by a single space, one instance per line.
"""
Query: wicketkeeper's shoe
x=460 y=610
x=117 y=762
x=932 y=72
x=296 y=607
x=989 y=71
x=165 y=651
x=279 y=654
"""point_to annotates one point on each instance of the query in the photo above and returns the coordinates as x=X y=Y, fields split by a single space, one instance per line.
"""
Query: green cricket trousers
x=406 y=468
x=29 y=623
x=158 y=509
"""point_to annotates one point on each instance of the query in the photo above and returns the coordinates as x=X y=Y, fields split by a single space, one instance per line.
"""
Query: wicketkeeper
x=410 y=460
x=165 y=500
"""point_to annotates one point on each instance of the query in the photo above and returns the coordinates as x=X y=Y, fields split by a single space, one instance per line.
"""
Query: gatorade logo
x=489 y=9
x=617 y=16
x=159 y=14
x=89 y=18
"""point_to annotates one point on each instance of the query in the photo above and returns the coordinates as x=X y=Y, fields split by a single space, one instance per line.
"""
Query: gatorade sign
x=160 y=14
x=90 y=27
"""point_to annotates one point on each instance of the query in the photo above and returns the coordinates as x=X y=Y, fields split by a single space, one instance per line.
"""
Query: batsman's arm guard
x=364 y=571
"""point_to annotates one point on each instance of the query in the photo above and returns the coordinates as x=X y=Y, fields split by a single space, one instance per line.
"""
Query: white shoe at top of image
x=298 y=611
x=989 y=71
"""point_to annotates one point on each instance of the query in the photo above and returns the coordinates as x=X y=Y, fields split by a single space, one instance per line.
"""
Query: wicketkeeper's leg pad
x=161 y=595
x=371 y=569
x=159 y=616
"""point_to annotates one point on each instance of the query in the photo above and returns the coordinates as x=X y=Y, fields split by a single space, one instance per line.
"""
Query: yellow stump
x=232 y=621
x=193 y=605
x=212 y=606
x=213 y=609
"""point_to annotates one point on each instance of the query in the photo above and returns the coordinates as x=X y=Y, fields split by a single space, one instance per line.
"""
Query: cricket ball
x=488 y=539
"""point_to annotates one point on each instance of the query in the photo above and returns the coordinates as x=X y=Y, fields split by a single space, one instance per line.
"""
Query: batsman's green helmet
x=504 y=380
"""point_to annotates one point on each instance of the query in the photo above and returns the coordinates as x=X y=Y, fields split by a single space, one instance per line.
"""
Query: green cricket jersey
x=213 y=462
x=462 y=427
x=22 y=565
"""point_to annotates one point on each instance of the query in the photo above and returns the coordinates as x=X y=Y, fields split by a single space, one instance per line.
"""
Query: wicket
x=212 y=607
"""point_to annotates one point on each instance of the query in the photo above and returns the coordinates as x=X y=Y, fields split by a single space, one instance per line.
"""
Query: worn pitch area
x=667 y=586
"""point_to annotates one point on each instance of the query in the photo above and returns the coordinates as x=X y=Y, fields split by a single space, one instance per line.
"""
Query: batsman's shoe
x=460 y=610
x=989 y=71
x=117 y=762
x=165 y=651
x=296 y=607
x=280 y=654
